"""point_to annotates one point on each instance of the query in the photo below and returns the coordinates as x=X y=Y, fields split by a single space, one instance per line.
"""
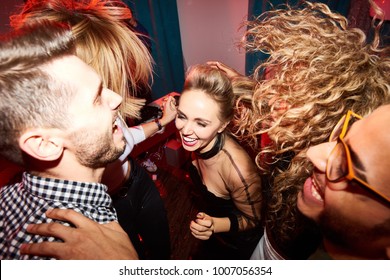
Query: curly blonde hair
x=102 y=40
x=318 y=69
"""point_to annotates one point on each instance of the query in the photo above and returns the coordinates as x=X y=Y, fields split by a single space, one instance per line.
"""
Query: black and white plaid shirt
x=26 y=203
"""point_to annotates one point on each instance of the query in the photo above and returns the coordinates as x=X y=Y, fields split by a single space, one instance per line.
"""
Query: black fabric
x=233 y=223
x=232 y=245
x=217 y=147
x=149 y=112
x=207 y=201
x=141 y=211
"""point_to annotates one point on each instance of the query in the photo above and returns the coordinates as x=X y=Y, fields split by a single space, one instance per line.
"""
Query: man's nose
x=319 y=154
x=114 y=100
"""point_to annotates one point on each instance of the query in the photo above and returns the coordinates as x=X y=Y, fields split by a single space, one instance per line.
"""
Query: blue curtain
x=257 y=7
x=161 y=20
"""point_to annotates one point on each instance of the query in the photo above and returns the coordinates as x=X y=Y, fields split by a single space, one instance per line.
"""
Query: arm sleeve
x=246 y=193
x=138 y=134
x=133 y=136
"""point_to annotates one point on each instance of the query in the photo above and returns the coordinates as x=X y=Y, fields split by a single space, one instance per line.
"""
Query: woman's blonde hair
x=102 y=40
x=318 y=69
x=215 y=84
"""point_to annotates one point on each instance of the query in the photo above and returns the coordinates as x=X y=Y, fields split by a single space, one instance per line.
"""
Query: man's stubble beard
x=96 y=152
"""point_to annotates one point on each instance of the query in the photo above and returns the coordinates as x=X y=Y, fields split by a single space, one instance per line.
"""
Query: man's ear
x=42 y=144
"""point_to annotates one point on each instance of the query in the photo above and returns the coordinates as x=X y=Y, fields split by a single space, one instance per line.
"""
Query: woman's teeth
x=188 y=140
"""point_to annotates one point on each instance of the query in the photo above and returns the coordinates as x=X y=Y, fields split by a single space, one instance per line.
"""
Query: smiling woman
x=226 y=179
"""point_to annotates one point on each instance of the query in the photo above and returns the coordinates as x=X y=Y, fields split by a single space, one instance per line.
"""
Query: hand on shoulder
x=88 y=240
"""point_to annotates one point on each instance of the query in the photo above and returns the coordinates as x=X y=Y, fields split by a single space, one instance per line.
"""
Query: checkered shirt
x=26 y=203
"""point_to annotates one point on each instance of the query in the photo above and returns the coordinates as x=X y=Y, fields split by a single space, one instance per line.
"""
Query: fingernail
x=29 y=227
x=23 y=248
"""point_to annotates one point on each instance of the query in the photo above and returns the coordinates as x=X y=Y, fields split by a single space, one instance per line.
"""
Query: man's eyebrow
x=98 y=92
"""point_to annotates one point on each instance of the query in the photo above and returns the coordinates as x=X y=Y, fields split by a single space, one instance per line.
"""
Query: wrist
x=164 y=121
x=158 y=123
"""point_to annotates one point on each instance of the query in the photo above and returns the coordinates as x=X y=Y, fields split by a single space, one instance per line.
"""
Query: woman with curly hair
x=107 y=44
x=320 y=70
x=317 y=70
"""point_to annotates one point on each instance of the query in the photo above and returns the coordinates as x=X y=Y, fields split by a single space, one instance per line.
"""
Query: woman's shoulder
x=236 y=153
x=236 y=162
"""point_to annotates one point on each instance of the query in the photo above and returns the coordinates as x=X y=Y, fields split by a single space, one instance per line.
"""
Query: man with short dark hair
x=59 y=122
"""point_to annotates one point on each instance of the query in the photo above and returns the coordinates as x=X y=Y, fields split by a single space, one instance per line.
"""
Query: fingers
x=169 y=109
x=195 y=227
x=59 y=230
x=203 y=227
x=202 y=224
x=89 y=240
x=201 y=237
x=204 y=220
x=218 y=65
x=171 y=101
x=199 y=231
x=46 y=249
x=201 y=215
x=230 y=72
x=68 y=215
x=50 y=229
x=213 y=63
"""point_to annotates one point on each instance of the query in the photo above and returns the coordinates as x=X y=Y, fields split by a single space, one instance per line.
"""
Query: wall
x=209 y=31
